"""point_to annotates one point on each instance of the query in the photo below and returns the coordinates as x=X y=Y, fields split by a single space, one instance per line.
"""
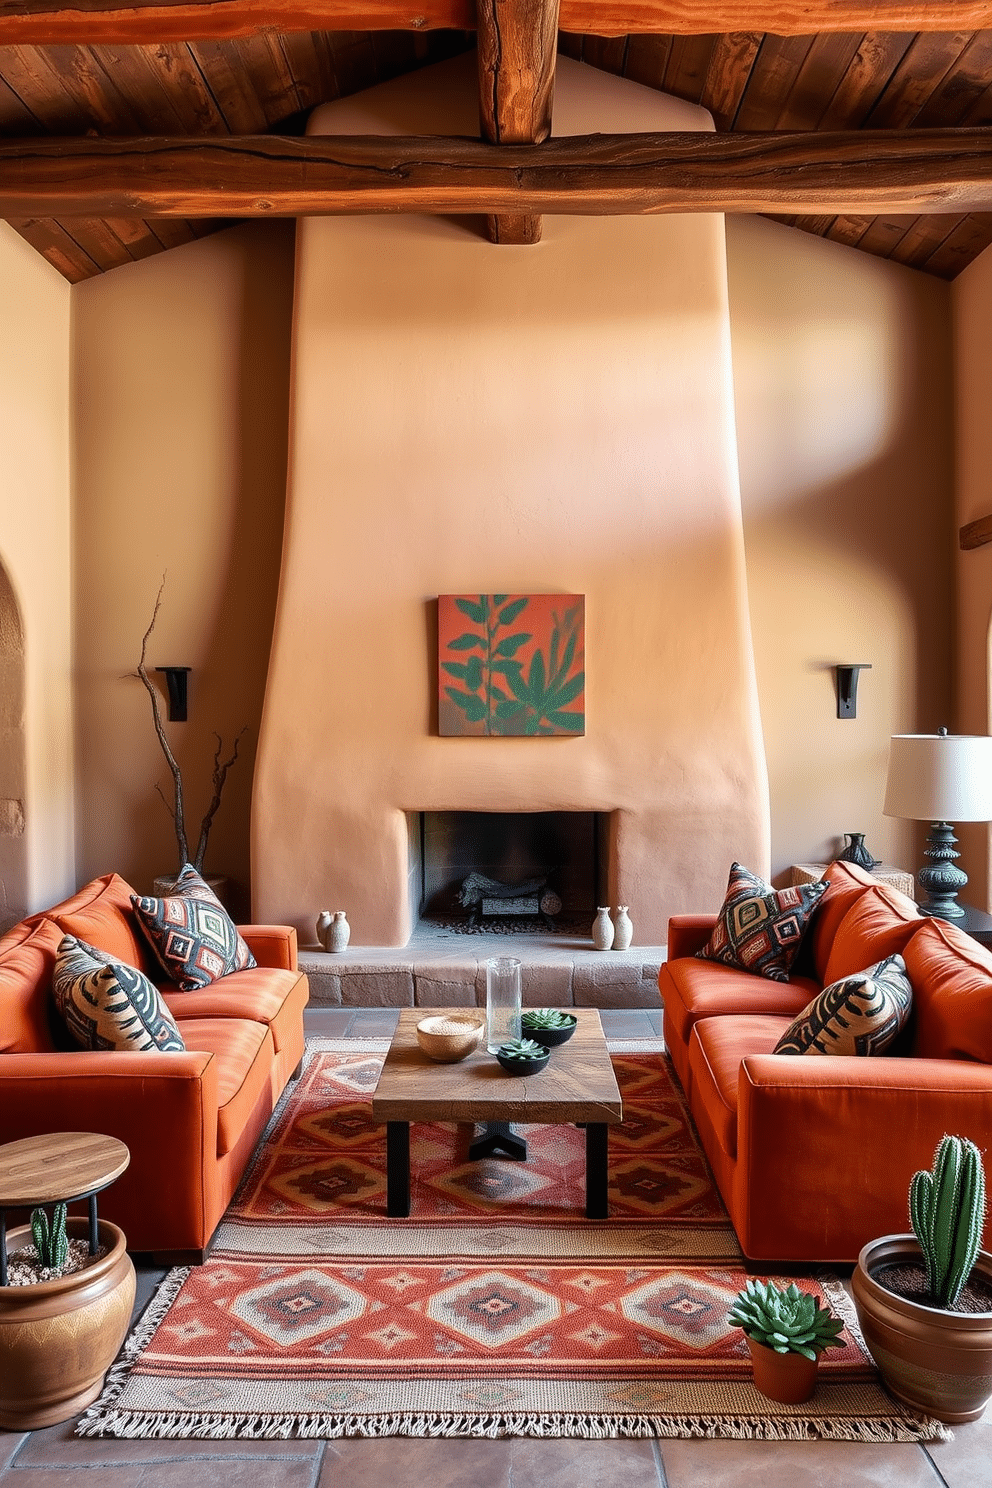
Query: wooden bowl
x=448 y=1037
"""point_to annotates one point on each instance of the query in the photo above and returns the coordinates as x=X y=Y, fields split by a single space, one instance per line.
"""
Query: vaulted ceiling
x=129 y=129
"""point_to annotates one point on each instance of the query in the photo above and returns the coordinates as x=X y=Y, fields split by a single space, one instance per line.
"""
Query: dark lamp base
x=943 y=881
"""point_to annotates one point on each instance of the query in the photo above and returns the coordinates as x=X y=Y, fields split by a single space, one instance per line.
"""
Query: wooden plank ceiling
x=267 y=81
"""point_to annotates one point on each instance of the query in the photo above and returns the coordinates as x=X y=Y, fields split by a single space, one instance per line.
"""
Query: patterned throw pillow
x=107 y=1004
x=192 y=933
x=862 y=1014
x=760 y=929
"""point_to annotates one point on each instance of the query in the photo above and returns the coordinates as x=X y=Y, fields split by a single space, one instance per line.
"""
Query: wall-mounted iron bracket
x=847 y=686
x=175 y=678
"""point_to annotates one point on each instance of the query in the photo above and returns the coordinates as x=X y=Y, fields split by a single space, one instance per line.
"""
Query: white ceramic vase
x=623 y=930
x=338 y=933
x=324 y=921
x=602 y=929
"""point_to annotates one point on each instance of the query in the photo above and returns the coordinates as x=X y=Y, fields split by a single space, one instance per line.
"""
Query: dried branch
x=218 y=776
x=178 y=809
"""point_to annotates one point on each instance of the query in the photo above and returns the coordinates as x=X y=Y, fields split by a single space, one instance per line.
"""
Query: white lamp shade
x=940 y=777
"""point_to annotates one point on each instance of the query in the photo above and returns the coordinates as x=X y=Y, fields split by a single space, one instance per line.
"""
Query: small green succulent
x=50 y=1240
x=789 y=1321
x=546 y=1018
x=523 y=1048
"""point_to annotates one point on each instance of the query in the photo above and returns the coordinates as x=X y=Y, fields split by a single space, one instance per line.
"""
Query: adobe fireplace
x=467 y=418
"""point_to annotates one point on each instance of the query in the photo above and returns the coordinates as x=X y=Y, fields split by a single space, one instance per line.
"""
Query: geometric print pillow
x=192 y=934
x=107 y=1004
x=760 y=929
x=862 y=1014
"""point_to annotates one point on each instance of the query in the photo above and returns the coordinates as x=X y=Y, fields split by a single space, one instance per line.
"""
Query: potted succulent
x=924 y=1300
x=786 y=1332
x=63 y=1316
x=548 y=1026
x=522 y=1056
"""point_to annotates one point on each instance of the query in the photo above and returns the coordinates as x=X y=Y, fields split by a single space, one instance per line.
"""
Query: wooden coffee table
x=577 y=1086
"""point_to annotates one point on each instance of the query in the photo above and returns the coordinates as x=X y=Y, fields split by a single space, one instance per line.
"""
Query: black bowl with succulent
x=548 y=1026
x=522 y=1056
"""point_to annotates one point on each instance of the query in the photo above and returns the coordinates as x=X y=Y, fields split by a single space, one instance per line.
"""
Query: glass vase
x=502 y=1001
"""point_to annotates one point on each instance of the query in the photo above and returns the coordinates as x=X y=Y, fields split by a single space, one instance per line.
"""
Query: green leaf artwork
x=517 y=669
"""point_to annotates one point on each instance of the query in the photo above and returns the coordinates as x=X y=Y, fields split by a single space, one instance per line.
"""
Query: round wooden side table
x=58 y=1168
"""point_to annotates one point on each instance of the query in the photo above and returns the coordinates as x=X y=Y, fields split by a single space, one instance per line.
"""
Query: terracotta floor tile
x=404 y=1462
x=966 y=1462
x=585 y=1464
x=727 y=1464
x=330 y=1022
x=55 y=1477
x=10 y=1442
x=218 y=1472
x=57 y=1447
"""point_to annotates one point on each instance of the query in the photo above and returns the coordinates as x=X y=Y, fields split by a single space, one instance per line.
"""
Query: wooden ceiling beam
x=912 y=170
x=87 y=22
x=517 y=47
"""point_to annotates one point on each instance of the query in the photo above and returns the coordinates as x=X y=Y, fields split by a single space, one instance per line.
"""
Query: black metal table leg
x=3 y=1247
x=597 y=1182
x=398 y=1169
x=94 y=1245
x=498 y=1136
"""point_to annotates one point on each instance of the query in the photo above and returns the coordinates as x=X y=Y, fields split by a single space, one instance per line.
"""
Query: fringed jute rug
x=496 y=1309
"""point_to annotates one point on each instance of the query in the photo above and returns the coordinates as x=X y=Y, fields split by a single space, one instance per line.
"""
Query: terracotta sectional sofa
x=813 y=1153
x=191 y=1120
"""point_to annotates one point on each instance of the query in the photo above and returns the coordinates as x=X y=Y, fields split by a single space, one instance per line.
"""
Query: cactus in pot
x=947 y=1211
x=50 y=1240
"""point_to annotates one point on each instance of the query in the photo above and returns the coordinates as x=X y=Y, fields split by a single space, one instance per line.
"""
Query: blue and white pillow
x=861 y=1014
x=107 y=1004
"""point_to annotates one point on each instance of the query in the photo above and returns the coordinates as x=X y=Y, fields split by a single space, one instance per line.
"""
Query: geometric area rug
x=495 y=1309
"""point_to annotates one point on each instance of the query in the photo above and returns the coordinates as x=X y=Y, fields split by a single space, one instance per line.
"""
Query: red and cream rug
x=495 y=1309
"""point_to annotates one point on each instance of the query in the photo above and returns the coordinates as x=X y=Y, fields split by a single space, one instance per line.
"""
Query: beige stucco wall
x=843 y=381
x=36 y=723
x=972 y=300
x=479 y=419
x=181 y=386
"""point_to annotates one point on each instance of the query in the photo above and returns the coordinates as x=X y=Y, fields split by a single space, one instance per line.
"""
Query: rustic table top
x=58 y=1167
x=577 y=1084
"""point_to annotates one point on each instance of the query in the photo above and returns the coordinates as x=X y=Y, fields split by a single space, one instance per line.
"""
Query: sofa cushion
x=26 y=967
x=863 y=1014
x=879 y=923
x=760 y=929
x=107 y=1004
x=846 y=882
x=263 y=994
x=101 y=915
x=244 y=1054
x=192 y=934
x=952 y=976
x=696 y=989
x=716 y=1049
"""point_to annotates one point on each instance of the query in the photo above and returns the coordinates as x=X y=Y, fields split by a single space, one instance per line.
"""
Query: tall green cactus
x=50 y=1241
x=947 y=1210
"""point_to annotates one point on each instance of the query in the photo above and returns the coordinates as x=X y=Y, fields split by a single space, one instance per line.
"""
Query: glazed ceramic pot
x=59 y=1338
x=788 y=1378
x=936 y=1361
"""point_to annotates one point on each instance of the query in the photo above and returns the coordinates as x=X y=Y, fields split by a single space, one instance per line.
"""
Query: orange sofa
x=813 y=1153
x=191 y=1120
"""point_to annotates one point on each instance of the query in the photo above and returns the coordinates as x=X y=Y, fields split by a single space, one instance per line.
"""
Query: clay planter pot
x=788 y=1378
x=59 y=1338
x=938 y=1362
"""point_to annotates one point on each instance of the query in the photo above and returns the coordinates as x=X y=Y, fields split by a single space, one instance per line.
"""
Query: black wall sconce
x=175 y=678
x=847 y=686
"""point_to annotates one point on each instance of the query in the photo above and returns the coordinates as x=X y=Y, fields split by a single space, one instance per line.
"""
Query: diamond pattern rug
x=495 y=1309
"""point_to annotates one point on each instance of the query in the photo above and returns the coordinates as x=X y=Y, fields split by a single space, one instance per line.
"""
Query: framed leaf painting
x=511 y=664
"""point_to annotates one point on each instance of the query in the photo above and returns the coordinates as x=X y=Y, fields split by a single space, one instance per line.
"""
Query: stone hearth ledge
x=444 y=969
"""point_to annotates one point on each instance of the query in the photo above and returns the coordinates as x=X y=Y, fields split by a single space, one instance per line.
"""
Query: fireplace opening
x=505 y=870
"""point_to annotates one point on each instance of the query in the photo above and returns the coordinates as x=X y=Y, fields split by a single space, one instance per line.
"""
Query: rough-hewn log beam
x=975 y=534
x=41 y=22
x=912 y=170
x=517 y=45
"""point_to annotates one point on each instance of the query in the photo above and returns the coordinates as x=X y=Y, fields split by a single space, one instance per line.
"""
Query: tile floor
x=43 y=1459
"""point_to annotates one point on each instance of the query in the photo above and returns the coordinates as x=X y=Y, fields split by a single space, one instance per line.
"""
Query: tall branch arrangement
x=220 y=766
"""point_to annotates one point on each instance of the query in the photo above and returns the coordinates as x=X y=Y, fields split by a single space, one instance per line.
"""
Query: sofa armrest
x=833 y=1141
x=272 y=945
x=687 y=934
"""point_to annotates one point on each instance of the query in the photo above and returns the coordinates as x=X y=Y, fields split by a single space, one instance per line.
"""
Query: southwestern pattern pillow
x=863 y=1014
x=760 y=929
x=192 y=934
x=107 y=1004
